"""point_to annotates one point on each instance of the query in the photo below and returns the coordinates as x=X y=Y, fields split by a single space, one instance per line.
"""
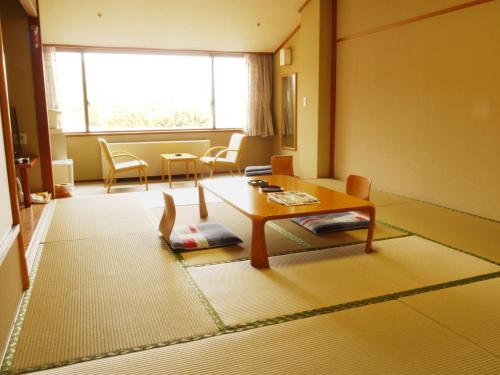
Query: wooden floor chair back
x=229 y=156
x=168 y=219
x=358 y=186
x=282 y=165
x=116 y=167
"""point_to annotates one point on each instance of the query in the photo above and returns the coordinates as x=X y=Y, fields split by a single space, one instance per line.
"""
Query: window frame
x=131 y=51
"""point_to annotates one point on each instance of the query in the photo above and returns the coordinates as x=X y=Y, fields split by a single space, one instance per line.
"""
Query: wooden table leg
x=169 y=170
x=26 y=187
x=162 y=169
x=187 y=169
x=195 y=168
x=369 y=237
x=202 y=203
x=258 y=255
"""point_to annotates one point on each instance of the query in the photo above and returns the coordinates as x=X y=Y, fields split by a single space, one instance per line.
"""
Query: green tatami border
x=204 y=300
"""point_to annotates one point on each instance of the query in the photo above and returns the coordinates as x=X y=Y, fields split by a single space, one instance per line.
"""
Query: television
x=16 y=137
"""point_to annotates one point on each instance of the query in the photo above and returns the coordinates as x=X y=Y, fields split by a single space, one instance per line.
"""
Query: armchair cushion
x=202 y=236
x=130 y=164
x=210 y=160
x=320 y=224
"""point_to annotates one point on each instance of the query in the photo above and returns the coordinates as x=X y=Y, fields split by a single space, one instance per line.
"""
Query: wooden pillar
x=333 y=87
x=41 y=105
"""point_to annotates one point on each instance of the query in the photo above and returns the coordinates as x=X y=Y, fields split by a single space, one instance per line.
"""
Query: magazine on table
x=292 y=198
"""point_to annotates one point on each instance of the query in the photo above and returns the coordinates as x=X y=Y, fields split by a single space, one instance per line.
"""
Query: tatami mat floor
x=97 y=296
x=424 y=302
x=312 y=280
x=462 y=231
x=387 y=338
x=471 y=311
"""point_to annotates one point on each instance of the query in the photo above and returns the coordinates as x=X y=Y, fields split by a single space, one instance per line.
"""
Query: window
x=70 y=87
x=231 y=92
x=107 y=91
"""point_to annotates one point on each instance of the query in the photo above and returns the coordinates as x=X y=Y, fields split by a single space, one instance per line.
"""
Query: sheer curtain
x=52 y=96
x=260 y=87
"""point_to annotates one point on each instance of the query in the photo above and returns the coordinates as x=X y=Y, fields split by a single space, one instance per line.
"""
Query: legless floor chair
x=282 y=165
x=121 y=167
x=226 y=156
x=193 y=236
x=357 y=186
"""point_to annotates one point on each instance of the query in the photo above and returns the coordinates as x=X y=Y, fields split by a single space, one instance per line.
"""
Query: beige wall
x=20 y=79
x=84 y=150
x=418 y=105
x=311 y=54
x=360 y=15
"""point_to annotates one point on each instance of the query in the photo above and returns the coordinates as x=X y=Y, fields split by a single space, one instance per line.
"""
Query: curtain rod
x=150 y=50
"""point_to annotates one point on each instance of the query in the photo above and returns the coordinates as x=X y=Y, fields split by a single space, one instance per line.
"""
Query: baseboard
x=39 y=234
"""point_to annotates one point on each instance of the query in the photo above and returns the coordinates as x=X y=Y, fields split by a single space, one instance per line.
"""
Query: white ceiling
x=215 y=25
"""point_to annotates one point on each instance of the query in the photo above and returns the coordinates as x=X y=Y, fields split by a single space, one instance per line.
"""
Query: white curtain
x=51 y=93
x=260 y=87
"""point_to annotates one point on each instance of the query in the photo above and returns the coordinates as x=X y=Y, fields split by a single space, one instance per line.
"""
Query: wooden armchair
x=226 y=156
x=120 y=167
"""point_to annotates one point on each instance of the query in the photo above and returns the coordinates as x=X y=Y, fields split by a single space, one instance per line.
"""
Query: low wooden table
x=178 y=157
x=254 y=204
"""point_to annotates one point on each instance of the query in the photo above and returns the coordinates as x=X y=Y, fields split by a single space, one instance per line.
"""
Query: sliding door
x=13 y=269
x=6 y=222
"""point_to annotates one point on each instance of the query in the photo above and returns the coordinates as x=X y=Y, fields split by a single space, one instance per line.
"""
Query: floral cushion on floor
x=202 y=236
x=320 y=224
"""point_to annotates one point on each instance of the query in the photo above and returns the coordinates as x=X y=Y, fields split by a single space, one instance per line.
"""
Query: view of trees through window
x=123 y=91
